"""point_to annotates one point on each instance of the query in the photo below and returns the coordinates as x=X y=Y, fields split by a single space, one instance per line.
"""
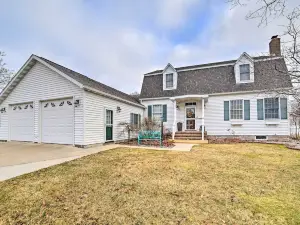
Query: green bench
x=149 y=135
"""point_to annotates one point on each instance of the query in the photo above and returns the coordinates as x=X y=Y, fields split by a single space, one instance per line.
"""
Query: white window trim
x=138 y=122
x=274 y=120
x=162 y=111
x=236 y=121
x=172 y=87
x=261 y=139
x=249 y=80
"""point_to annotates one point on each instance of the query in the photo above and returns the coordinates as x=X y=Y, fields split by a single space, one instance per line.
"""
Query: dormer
x=169 y=78
x=244 y=69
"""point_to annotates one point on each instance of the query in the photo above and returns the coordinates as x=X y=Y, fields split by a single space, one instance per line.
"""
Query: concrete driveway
x=17 y=158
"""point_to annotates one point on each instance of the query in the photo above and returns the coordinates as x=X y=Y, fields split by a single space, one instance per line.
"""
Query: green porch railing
x=149 y=135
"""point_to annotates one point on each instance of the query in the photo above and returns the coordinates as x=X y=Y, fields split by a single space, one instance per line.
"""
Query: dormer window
x=244 y=72
x=169 y=80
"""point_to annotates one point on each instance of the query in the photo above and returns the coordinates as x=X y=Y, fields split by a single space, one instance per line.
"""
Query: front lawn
x=213 y=184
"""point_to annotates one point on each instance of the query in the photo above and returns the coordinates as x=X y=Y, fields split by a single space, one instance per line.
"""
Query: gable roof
x=207 y=65
x=79 y=79
x=217 y=78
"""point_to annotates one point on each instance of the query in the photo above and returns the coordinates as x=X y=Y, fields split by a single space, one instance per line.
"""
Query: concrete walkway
x=7 y=172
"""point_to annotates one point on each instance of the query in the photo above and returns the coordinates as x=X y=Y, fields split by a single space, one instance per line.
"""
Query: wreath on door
x=190 y=113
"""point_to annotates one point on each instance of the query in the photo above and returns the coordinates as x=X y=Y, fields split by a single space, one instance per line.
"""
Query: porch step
x=191 y=141
x=188 y=132
x=188 y=138
x=189 y=135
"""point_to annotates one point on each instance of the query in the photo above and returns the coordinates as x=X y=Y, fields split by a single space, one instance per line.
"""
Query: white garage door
x=57 y=121
x=21 y=122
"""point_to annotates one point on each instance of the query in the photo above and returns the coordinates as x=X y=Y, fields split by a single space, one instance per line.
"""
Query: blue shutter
x=283 y=108
x=246 y=109
x=164 y=113
x=131 y=118
x=226 y=110
x=139 y=118
x=149 y=111
x=260 y=109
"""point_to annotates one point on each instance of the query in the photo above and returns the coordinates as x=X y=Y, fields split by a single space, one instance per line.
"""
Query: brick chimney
x=274 y=46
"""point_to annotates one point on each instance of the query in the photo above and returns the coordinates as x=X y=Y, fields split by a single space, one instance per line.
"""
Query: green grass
x=213 y=184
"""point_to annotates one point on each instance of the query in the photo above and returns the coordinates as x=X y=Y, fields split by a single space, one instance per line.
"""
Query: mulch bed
x=152 y=143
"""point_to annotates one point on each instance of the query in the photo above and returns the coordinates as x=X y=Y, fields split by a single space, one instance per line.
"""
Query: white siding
x=41 y=83
x=215 y=124
x=180 y=113
x=170 y=110
x=94 y=117
x=214 y=116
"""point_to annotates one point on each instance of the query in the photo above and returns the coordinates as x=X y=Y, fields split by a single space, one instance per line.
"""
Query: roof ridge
x=209 y=64
x=86 y=77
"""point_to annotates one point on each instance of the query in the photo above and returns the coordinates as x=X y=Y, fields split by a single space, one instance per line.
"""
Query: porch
x=189 y=112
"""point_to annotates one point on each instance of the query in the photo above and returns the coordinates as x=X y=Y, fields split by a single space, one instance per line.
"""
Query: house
x=48 y=103
x=222 y=99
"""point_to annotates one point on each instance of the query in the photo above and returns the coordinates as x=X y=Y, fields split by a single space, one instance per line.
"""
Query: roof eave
x=112 y=96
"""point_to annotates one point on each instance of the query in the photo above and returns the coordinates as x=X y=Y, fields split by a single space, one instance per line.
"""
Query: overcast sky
x=117 y=41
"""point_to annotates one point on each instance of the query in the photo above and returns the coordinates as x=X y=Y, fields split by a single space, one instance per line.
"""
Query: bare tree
x=5 y=74
x=136 y=95
x=266 y=11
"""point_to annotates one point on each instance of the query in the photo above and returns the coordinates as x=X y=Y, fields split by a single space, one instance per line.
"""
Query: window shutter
x=226 y=110
x=164 y=113
x=246 y=109
x=283 y=108
x=149 y=111
x=260 y=109
x=139 y=118
x=131 y=118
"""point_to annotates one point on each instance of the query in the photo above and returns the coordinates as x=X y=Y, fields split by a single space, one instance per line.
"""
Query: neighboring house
x=48 y=103
x=225 y=98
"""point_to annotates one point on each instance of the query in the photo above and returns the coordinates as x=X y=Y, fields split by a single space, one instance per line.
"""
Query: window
x=169 y=80
x=135 y=119
x=260 y=137
x=271 y=108
x=157 y=111
x=245 y=72
x=236 y=109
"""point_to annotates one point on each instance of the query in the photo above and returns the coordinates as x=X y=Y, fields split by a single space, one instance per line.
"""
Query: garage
x=22 y=122
x=57 y=124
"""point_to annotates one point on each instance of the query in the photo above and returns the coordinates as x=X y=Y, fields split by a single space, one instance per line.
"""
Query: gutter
x=112 y=97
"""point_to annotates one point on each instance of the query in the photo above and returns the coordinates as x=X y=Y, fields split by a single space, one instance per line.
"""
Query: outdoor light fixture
x=118 y=109
x=177 y=107
x=3 y=110
x=76 y=103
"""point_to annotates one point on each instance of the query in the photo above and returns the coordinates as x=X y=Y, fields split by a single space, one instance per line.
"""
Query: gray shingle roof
x=88 y=82
x=268 y=74
x=207 y=64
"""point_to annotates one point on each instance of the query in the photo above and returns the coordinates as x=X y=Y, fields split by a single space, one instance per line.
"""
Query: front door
x=109 y=125
x=190 y=118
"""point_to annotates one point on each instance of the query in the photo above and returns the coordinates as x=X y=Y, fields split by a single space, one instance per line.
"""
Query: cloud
x=173 y=13
x=117 y=45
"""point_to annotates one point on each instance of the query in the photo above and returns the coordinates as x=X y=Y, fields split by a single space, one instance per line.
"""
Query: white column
x=202 y=119
x=174 y=120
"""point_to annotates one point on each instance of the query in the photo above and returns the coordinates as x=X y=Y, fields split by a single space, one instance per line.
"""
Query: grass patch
x=212 y=184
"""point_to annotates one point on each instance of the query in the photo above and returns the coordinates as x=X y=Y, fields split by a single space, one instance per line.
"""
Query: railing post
x=202 y=119
x=174 y=122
